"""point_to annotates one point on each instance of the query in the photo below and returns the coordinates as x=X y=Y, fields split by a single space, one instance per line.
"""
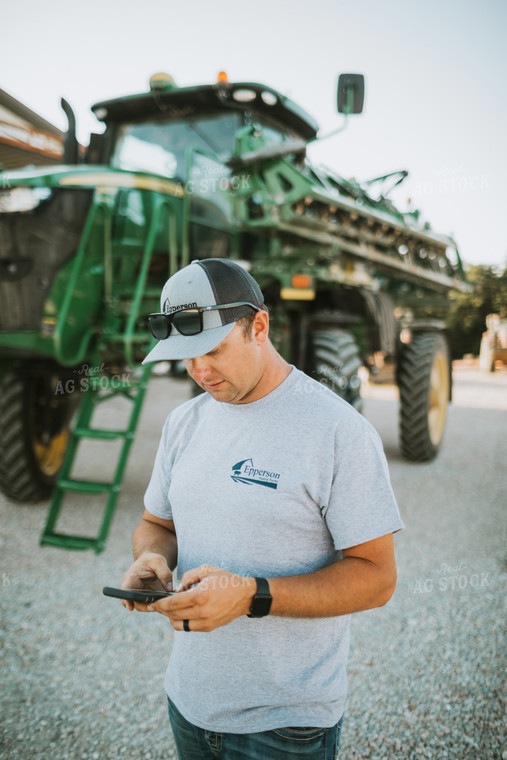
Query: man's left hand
x=208 y=597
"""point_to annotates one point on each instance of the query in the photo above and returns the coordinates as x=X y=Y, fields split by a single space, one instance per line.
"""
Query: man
x=272 y=497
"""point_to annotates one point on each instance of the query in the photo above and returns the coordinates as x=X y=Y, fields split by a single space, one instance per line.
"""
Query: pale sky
x=436 y=99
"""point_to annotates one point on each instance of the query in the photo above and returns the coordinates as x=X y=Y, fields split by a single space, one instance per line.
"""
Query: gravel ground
x=82 y=678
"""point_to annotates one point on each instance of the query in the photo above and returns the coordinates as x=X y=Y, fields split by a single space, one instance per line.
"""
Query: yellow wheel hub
x=50 y=456
x=438 y=397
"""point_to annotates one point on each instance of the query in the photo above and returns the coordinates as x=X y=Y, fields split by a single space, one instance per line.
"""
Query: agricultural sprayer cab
x=185 y=173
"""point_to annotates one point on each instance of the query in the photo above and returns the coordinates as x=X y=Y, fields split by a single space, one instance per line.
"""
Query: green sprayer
x=353 y=285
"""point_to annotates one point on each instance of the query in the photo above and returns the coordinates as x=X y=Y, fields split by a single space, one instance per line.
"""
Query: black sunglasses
x=186 y=321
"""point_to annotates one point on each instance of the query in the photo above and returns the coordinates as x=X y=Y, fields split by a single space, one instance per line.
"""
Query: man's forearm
x=150 y=537
x=364 y=578
x=349 y=585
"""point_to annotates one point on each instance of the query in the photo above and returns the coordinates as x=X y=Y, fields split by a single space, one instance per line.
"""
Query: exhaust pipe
x=70 y=143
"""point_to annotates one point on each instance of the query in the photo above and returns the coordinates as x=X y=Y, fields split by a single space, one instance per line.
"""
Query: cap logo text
x=168 y=309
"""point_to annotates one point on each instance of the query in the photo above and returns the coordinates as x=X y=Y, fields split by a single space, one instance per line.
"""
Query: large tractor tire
x=34 y=432
x=334 y=360
x=424 y=379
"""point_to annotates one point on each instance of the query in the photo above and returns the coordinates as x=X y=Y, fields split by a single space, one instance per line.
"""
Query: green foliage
x=468 y=312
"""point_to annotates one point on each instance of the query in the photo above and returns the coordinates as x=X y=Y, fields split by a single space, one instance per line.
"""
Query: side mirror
x=350 y=93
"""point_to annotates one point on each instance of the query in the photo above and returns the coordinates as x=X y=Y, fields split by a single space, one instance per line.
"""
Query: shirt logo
x=245 y=472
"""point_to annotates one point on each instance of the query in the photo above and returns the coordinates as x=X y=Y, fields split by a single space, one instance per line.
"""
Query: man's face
x=233 y=370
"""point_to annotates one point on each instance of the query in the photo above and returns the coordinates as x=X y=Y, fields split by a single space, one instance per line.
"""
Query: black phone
x=143 y=595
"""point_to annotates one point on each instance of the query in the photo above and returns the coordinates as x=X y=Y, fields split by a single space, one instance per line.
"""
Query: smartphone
x=143 y=595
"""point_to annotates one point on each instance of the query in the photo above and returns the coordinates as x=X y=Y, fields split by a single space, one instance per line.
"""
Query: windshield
x=160 y=147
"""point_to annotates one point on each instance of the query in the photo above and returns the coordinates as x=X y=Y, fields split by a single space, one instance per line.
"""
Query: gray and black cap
x=209 y=282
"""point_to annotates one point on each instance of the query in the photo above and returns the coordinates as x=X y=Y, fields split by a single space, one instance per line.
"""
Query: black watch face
x=261 y=606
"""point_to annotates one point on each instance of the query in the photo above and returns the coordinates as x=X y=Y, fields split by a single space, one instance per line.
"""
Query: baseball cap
x=206 y=282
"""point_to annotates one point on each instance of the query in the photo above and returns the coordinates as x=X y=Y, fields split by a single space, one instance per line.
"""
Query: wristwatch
x=261 y=603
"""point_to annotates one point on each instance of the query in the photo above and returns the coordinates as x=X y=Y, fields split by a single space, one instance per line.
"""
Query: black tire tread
x=416 y=361
x=16 y=465
x=335 y=348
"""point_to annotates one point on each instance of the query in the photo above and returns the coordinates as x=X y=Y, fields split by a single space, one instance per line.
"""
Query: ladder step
x=103 y=435
x=65 y=484
x=85 y=486
x=70 y=542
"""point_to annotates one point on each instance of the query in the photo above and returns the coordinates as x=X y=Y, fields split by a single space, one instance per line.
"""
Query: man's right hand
x=149 y=571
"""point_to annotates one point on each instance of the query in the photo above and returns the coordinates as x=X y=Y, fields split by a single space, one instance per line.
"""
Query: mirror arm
x=334 y=132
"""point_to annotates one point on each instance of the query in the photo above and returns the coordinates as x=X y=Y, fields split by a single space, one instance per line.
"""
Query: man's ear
x=260 y=327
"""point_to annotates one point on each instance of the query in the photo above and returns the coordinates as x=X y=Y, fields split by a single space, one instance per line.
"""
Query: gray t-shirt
x=271 y=488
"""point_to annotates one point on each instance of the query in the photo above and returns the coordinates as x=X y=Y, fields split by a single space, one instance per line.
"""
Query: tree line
x=468 y=311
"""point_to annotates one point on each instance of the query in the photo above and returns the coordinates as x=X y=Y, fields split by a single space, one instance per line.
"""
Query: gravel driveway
x=82 y=678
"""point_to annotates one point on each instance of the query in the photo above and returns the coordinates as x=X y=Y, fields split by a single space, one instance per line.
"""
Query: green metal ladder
x=99 y=392
x=123 y=305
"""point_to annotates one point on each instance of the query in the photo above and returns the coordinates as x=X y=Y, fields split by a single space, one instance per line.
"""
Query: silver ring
x=186 y=626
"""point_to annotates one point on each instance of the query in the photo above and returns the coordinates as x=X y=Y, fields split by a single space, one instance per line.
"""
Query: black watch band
x=261 y=603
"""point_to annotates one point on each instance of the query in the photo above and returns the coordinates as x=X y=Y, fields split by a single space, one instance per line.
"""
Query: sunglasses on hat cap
x=186 y=321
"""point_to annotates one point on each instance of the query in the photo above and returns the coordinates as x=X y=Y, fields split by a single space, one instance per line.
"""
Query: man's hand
x=218 y=598
x=149 y=571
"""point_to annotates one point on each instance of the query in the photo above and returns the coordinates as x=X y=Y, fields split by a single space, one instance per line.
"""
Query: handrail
x=105 y=209
x=71 y=287
x=145 y=263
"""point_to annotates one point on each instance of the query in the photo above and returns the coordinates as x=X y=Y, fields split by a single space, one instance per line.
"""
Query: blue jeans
x=194 y=743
